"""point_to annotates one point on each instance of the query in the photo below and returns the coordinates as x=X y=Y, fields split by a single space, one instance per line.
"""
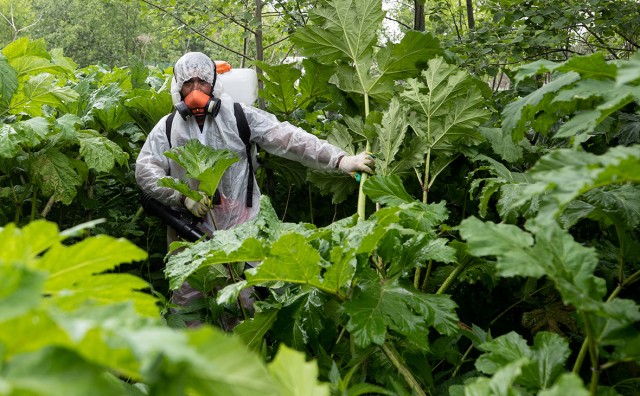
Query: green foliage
x=201 y=163
x=591 y=80
x=70 y=324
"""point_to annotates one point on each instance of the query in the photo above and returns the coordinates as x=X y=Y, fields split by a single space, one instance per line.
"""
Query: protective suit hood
x=190 y=65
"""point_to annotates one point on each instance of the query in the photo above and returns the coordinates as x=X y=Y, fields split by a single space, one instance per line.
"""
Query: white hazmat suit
x=220 y=132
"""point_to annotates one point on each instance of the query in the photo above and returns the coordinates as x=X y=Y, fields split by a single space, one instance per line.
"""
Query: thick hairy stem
x=397 y=362
x=425 y=184
x=583 y=349
x=425 y=281
x=362 y=199
x=593 y=355
x=450 y=279
x=34 y=200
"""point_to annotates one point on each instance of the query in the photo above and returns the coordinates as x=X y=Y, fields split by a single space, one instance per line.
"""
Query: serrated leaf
x=20 y=290
x=279 y=82
x=107 y=289
x=203 y=163
x=292 y=259
x=252 y=331
x=501 y=384
x=609 y=100
x=149 y=105
x=567 y=384
x=314 y=84
x=555 y=254
x=401 y=60
x=545 y=360
x=57 y=371
x=294 y=375
x=375 y=308
x=8 y=80
x=563 y=175
x=516 y=114
x=338 y=185
x=39 y=91
x=502 y=145
x=99 y=152
x=390 y=137
x=387 y=190
x=22 y=246
x=226 y=246
x=342 y=29
x=593 y=66
x=448 y=107
x=55 y=174
x=72 y=264
x=535 y=68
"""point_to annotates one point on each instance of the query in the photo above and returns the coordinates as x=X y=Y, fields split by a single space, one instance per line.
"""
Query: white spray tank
x=241 y=84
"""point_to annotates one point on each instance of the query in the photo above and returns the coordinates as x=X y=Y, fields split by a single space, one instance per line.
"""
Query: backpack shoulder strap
x=245 y=134
x=167 y=128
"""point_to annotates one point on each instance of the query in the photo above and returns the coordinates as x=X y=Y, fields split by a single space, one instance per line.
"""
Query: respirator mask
x=198 y=103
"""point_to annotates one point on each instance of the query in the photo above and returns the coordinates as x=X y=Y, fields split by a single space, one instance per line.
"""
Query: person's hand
x=198 y=208
x=362 y=162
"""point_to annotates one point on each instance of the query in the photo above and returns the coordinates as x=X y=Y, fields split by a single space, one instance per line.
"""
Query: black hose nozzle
x=171 y=218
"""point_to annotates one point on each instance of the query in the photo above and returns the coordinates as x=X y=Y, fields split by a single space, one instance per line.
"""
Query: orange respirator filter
x=197 y=100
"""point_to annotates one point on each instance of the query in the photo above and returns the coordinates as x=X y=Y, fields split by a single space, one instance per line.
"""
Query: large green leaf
x=22 y=135
x=8 y=82
x=279 y=86
x=516 y=114
x=203 y=163
x=57 y=371
x=563 y=175
x=148 y=106
x=292 y=259
x=52 y=169
x=376 y=307
x=556 y=255
x=30 y=58
x=391 y=135
x=387 y=190
x=252 y=330
x=343 y=33
x=99 y=152
x=20 y=290
x=546 y=358
x=343 y=29
x=39 y=91
x=295 y=376
x=448 y=108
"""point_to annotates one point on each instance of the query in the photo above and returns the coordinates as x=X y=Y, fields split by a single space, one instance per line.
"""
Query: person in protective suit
x=208 y=115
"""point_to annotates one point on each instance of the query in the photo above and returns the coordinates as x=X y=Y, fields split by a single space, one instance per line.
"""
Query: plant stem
x=425 y=281
x=362 y=199
x=396 y=360
x=425 y=185
x=34 y=199
x=416 y=278
x=450 y=279
x=593 y=355
x=583 y=349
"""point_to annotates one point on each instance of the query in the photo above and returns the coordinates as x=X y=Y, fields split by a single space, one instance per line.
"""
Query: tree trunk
x=470 y=20
x=418 y=15
x=259 y=47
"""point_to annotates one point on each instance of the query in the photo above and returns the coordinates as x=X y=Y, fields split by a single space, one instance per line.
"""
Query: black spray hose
x=171 y=218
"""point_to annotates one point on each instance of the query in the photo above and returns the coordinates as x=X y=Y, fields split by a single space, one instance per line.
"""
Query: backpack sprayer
x=242 y=86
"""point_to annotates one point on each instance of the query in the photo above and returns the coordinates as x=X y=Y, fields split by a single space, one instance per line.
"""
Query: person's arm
x=152 y=165
x=285 y=140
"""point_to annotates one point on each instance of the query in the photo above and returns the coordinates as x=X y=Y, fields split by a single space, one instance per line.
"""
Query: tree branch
x=195 y=30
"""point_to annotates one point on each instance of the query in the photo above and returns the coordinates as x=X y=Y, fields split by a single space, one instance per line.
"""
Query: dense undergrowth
x=496 y=252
